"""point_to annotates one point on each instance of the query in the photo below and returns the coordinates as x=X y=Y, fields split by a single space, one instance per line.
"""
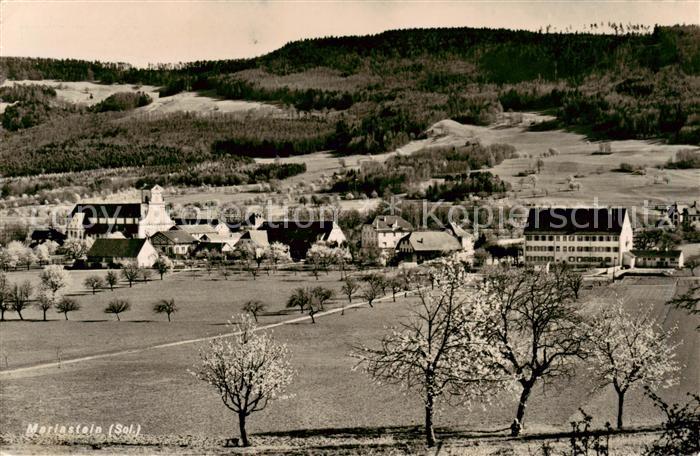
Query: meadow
x=328 y=398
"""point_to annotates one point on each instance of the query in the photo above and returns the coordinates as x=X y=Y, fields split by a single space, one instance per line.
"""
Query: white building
x=385 y=232
x=133 y=220
x=584 y=237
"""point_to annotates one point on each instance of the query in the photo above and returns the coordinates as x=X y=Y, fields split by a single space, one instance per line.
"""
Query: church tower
x=155 y=217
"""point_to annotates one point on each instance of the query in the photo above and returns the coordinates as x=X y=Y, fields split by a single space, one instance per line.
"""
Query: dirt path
x=9 y=372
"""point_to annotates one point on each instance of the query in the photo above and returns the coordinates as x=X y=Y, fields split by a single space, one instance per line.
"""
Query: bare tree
x=66 y=305
x=94 y=282
x=396 y=284
x=112 y=279
x=442 y=349
x=373 y=288
x=166 y=306
x=20 y=295
x=349 y=288
x=536 y=326
x=322 y=295
x=163 y=265
x=254 y=307
x=5 y=296
x=631 y=350
x=248 y=372
x=301 y=298
x=117 y=306
x=44 y=302
x=130 y=272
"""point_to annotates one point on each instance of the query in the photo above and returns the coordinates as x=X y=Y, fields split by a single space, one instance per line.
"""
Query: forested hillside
x=384 y=90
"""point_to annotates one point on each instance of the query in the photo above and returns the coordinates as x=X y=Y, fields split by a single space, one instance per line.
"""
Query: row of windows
x=545 y=259
x=558 y=248
x=550 y=237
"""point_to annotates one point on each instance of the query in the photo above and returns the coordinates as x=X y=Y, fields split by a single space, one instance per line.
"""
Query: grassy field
x=153 y=387
x=205 y=304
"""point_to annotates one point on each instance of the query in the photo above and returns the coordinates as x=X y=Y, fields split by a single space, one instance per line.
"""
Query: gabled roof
x=116 y=248
x=216 y=238
x=205 y=228
x=432 y=241
x=195 y=221
x=259 y=237
x=457 y=230
x=657 y=253
x=176 y=236
x=391 y=223
x=575 y=220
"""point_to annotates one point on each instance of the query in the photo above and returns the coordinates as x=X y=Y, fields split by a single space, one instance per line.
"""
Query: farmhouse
x=300 y=236
x=120 y=251
x=580 y=236
x=219 y=226
x=385 y=232
x=174 y=243
x=655 y=259
x=197 y=231
x=133 y=220
x=691 y=216
x=257 y=237
x=420 y=246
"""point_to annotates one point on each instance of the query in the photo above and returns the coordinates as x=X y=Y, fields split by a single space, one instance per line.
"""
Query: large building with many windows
x=585 y=237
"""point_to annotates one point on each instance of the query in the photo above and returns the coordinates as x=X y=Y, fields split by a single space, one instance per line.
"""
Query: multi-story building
x=133 y=220
x=578 y=236
x=385 y=232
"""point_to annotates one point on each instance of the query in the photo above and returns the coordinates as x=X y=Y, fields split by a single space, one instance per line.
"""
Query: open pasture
x=327 y=393
x=205 y=303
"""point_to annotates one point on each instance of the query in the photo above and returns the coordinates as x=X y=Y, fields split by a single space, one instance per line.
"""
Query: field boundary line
x=58 y=364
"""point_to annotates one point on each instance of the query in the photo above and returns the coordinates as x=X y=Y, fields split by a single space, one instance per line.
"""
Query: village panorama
x=429 y=240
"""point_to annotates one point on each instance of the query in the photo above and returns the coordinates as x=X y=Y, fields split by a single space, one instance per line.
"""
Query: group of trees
x=50 y=294
x=17 y=255
x=404 y=173
x=516 y=328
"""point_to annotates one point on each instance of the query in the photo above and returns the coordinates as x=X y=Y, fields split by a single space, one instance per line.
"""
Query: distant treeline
x=607 y=86
x=178 y=140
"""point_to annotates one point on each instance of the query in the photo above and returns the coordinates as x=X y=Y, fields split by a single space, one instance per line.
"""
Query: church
x=121 y=220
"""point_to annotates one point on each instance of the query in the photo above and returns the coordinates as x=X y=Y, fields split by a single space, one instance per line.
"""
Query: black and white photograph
x=348 y=227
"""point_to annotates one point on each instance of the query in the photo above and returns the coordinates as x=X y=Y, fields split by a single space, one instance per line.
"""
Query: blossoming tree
x=632 y=350
x=442 y=349
x=249 y=370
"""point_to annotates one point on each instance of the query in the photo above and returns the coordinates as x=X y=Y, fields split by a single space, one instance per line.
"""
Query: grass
x=328 y=397
x=205 y=304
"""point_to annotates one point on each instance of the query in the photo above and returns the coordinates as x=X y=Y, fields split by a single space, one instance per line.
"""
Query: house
x=655 y=259
x=134 y=220
x=197 y=230
x=219 y=226
x=218 y=243
x=691 y=216
x=420 y=246
x=465 y=238
x=120 y=251
x=385 y=232
x=301 y=235
x=256 y=237
x=579 y=236
x=40 y=236
x=174 y=243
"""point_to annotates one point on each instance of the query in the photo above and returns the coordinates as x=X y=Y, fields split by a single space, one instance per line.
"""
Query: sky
x=165 y=31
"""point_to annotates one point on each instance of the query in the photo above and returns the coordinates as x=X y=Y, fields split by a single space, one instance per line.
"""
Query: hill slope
x=375 y=93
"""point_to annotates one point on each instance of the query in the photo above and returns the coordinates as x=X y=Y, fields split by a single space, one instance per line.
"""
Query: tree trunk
x=93 y=291
x=241 y=428
x=429 y=431
x=118 y=319
x=311 y=314
x=168 y=318
x=620 y=405
x=66 y=315
x=44 y=314
x=19 y=312
x=2 y=314
x=520 y=414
